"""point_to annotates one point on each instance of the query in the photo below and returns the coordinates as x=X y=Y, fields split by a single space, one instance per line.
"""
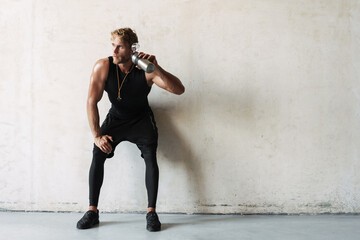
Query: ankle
x=93 y=208
x=151 y=209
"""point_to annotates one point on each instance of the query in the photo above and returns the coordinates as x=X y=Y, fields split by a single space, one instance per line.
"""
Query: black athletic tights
x=142 y=132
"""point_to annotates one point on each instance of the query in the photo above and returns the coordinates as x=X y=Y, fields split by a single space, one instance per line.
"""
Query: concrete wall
x=269 y=122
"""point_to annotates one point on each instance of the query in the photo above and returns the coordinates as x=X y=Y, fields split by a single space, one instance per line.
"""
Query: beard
x=118 y=60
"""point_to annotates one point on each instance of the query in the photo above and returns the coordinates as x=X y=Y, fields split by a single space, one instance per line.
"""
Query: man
x=129 y=119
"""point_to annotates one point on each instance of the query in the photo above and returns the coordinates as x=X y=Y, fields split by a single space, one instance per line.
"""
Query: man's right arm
x=96 y=89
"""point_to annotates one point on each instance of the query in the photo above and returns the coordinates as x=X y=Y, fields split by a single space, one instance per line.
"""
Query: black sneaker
x=153 y=223
x=89 y=220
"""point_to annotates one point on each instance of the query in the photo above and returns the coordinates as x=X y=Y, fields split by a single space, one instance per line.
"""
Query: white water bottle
x=144 y=64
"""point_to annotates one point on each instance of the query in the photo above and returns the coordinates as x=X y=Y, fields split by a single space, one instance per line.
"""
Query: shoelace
x=152 y=218
x=88 y=215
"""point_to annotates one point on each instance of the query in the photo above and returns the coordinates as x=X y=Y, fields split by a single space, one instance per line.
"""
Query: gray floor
x=37 y=226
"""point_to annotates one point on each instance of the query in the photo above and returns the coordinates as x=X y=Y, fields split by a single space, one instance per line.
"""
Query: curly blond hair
x=125 y=34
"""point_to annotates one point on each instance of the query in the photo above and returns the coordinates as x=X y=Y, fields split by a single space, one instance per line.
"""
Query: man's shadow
x=200 y=220
x=179 y=146
x=176 y=148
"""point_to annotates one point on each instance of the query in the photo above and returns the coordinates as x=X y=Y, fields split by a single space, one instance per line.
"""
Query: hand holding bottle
x=142 y=60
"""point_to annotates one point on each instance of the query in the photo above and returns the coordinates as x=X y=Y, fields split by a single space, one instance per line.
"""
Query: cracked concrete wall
x=269 y=122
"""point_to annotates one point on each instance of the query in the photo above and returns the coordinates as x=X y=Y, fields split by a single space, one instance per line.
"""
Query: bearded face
x=121 y=51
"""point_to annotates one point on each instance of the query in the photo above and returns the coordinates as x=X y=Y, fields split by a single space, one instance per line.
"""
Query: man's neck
x=125 y=67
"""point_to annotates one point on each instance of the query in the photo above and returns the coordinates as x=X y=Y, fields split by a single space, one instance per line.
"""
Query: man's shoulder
x=101 y=65
x=103 y=62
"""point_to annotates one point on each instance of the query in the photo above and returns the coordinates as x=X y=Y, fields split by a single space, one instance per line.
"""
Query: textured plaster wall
x=269 y=122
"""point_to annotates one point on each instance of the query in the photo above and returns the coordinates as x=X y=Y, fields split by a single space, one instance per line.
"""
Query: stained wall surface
x=269 y=122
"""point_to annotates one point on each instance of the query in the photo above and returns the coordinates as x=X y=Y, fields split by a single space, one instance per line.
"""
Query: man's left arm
x=162 y=78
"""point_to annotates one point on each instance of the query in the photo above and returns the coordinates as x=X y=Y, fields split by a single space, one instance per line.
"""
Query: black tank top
x=134 y=92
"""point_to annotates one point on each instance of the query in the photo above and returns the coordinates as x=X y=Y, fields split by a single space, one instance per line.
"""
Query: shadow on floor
x=199 y=221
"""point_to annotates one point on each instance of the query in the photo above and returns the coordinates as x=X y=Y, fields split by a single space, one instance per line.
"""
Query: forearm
x=93 y=117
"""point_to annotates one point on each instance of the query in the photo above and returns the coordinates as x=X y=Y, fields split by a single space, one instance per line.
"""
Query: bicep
x=97 y=82
x=96 y=90
x=159 y=82
x=165 y=84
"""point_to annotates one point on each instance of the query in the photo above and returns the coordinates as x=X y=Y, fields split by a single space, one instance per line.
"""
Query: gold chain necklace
x=117 y=74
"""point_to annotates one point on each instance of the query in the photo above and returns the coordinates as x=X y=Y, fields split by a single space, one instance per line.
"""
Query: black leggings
x=141 y=131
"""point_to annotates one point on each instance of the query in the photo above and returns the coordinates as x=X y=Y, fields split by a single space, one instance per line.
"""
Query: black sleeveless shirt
x=134 y=92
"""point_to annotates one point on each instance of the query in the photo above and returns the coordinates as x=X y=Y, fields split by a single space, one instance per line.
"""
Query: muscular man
x=129 y=119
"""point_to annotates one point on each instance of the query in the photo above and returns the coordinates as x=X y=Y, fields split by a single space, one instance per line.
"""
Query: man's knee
x=97 y=153
x=148 y=150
